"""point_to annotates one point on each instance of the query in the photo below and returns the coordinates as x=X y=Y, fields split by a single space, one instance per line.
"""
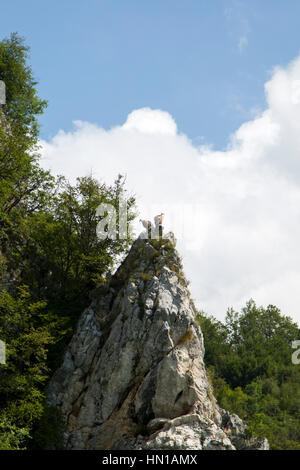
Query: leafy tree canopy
x=50 y=254
x=249 y=362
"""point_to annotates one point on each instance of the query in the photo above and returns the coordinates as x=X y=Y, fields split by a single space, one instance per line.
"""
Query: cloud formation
x=236 y=213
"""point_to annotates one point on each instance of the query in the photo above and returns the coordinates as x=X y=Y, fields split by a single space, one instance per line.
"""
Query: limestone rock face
x=133 y=375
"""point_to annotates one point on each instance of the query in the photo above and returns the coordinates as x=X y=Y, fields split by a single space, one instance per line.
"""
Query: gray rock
x=133 y=376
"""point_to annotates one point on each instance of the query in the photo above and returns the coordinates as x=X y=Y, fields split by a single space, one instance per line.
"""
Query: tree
x=26 y=329
x=48 y=243
x=22 y=102
x=24 y=186
x=249 y=359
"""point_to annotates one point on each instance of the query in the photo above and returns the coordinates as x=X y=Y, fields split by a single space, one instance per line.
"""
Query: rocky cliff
x=133 y=376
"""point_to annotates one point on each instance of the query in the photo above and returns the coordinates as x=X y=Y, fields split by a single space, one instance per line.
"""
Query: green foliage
x=11 y=436
x=185 y=338
x=24 y=186
x=50 y=256
x=145 y=276
x=22 y=101
x=24 y=327
x=157 y=243
x=48 y=434
x=249 y=362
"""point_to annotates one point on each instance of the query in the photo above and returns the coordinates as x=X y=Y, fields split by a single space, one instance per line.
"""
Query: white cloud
x=151 y=121
x=236 y=212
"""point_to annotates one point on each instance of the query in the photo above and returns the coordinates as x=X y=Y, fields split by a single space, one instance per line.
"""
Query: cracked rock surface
x=133 y=375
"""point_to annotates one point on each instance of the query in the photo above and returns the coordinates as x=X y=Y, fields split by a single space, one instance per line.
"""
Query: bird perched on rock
x=148 y=225
x=158 y=219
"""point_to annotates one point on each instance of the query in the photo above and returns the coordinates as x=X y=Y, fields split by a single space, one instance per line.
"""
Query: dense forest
x=51 y=260
x=249 y=363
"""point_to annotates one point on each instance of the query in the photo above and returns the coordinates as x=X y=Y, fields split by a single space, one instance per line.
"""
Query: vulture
x=159 y=219
x=146 y=223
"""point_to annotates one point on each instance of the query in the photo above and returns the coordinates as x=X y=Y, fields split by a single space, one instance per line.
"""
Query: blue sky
x=166 y=85
x=205 y=62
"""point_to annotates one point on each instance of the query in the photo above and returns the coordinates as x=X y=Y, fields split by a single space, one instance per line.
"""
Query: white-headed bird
x=158 y=220
x=148 y=225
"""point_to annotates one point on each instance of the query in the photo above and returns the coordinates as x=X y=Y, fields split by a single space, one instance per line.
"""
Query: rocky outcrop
x=133 y=376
